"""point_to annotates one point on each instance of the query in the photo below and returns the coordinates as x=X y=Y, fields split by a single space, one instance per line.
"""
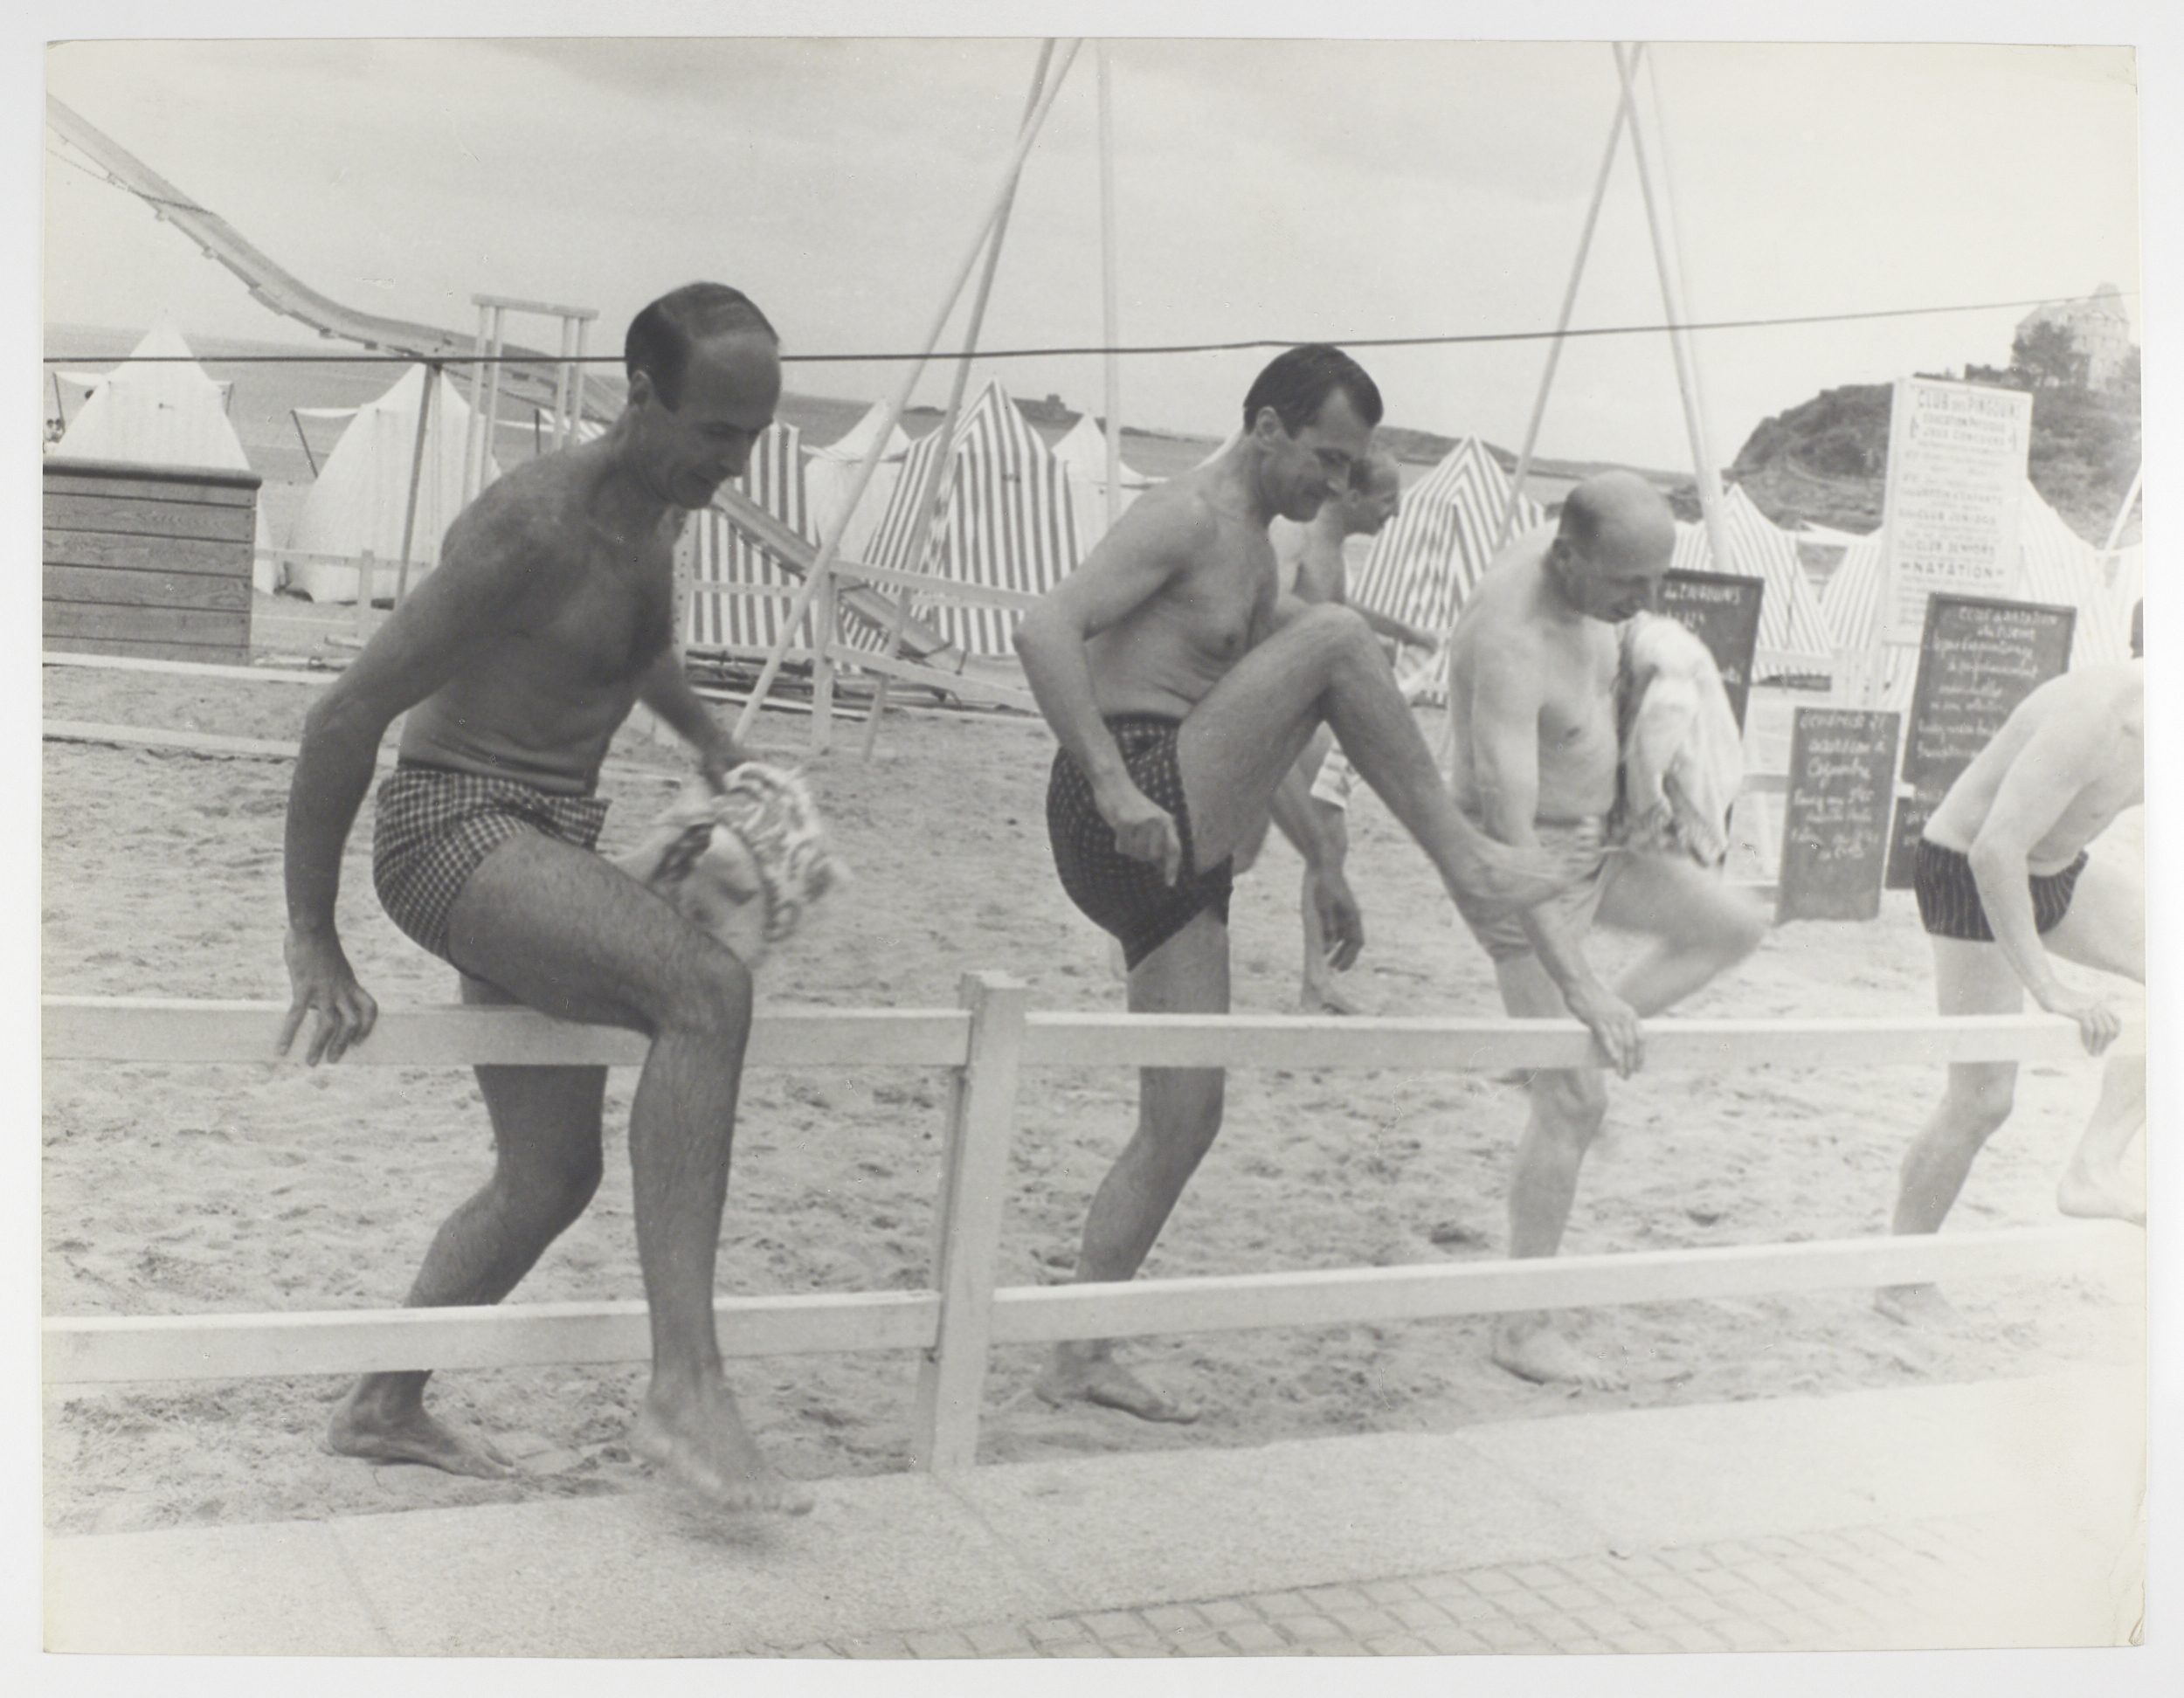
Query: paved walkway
x=1998 y=1515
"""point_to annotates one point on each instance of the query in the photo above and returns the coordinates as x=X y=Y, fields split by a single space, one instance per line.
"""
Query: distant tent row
x=1424 y=565
x=1791 y=620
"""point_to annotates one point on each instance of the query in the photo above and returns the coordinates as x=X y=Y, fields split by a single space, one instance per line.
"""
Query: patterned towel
x=745 y=864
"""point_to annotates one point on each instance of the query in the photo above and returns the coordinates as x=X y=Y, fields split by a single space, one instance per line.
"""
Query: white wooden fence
x=985 y=1043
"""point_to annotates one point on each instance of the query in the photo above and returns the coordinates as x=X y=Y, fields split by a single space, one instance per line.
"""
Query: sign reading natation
x=1956 y=467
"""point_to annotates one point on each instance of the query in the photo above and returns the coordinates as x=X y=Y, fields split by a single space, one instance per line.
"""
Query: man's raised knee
x=711 y=989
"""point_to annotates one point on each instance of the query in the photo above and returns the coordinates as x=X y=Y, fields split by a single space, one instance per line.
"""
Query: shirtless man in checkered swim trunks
x=1183 y=687
x=550 y=615
x=2005 y=886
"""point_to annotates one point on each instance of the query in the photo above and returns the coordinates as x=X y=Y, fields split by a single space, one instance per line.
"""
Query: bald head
x=1612 y=546
x=1375 y=491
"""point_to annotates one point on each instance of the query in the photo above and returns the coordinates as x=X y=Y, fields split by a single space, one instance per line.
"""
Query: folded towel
x=1682 y=757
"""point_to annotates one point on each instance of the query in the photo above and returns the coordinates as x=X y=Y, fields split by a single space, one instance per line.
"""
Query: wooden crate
x=149 y=560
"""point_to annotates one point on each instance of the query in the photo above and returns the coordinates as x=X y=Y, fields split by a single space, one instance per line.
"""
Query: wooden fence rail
x=985 y=1043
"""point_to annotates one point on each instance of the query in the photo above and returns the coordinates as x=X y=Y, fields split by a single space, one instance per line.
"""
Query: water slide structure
x=527 y=375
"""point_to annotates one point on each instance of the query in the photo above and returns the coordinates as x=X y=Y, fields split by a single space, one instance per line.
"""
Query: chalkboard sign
x=1723 y=611
x=1835 y=823
x=1977 y=660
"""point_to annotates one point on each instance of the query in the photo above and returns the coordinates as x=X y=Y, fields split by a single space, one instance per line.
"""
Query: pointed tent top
x=158 y=407
x=857 y=442
x=1083 y=449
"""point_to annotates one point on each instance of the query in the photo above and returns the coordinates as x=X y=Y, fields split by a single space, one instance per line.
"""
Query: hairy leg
x=1568 y=1110
x=570 y=935
x=1318 y=993
x=1178 y=1114
x=546 y=1167
x=1969 y=978
x=1325 y=668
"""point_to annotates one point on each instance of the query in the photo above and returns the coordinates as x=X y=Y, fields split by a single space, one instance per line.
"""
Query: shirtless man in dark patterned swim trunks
x=2005 y=883
x=550 y=615
x=1183 y=687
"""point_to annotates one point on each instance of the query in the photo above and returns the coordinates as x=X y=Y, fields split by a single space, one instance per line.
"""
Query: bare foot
x=2091 y=1196
x=1323 y=999
x=362 y=1427
x=1544 y=1355
x=1070 y=1376
x=1915 y=1306
x=703 y=1444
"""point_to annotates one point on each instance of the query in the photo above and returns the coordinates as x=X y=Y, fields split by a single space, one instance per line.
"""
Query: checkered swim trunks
x=1949 y=903
x=1124 y=897
x=432 y=826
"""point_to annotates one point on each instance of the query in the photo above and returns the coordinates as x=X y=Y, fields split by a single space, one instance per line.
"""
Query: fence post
x=967 y=1227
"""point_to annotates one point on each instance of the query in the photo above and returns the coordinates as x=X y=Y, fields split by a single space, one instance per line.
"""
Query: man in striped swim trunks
x=2004 y=885
x=1182 y=687
x=549 y=617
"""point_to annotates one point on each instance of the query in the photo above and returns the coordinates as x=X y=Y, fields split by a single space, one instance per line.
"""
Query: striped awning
x=1423 y=565
x=1009 y=522
x=718 y=553
x=1792 y=619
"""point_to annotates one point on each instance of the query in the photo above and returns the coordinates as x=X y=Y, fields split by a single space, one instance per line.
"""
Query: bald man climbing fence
x=1533 y=668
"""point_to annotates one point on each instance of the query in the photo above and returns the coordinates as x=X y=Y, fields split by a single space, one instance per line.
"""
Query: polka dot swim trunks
x=1124 y=897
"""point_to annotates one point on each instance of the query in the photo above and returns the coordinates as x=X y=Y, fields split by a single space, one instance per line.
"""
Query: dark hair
x=1298 y=382
x=660 y=337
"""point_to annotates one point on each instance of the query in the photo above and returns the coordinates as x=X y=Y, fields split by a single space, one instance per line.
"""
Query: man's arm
x=1505 y=699
x=1132 y=564
x=2057 y=761
x=1400 y=631
x=666 y=689
x=423 y=644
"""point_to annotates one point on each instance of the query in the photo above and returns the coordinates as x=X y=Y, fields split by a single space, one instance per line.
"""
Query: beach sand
x=176 y=1190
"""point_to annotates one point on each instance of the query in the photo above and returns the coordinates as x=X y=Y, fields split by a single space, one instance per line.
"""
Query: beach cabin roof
x=157 y=408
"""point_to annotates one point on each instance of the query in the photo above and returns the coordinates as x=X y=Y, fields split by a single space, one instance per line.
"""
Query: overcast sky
x=1290 y=189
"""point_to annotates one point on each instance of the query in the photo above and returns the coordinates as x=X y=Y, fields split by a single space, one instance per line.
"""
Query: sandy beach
x=174 y=1189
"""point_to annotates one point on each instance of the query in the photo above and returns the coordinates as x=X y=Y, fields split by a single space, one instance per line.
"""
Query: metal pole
x=417 y=472
x=1569 y=301
x=830 y=545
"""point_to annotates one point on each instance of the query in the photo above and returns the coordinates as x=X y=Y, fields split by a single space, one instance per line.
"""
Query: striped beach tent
x=712 y=551
x=1792 y=619
x=1082 y=450
x=1010 y=521
x=1423 y=565
x=831 y=473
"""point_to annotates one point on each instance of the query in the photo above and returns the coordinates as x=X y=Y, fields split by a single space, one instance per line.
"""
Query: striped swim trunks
x=432 y=826
x=1124 y=897
x=1949 y=902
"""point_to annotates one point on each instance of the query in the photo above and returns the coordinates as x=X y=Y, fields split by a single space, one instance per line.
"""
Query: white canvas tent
x=1082 y=451
x=157 y=408
x=361 y=498
x=1791 y=617
x=1010 y=521
x=713 y=551
x=830 y=473
x=1426 y=562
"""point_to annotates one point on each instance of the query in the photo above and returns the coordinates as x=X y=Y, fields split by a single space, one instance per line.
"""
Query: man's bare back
x=2106 y=706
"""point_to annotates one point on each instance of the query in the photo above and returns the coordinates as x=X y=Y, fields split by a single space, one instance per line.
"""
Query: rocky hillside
x=1827 y=460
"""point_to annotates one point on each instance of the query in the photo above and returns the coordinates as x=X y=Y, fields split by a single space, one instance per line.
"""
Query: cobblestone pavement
x=1893 y=1587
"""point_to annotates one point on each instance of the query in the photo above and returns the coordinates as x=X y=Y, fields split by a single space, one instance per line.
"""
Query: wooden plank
x=968 y=685
x=1042 y=1314
x=1297 y=1041
x=147 y=554
x=126 y=1029
x=194 y=742
x=928 y=587
x=192 y=669
x=85 y=513
x=197 y=1346
x=974 y=1183
x=157 y=624
x=106 y=587
x=146 y=648
x=151 y=483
